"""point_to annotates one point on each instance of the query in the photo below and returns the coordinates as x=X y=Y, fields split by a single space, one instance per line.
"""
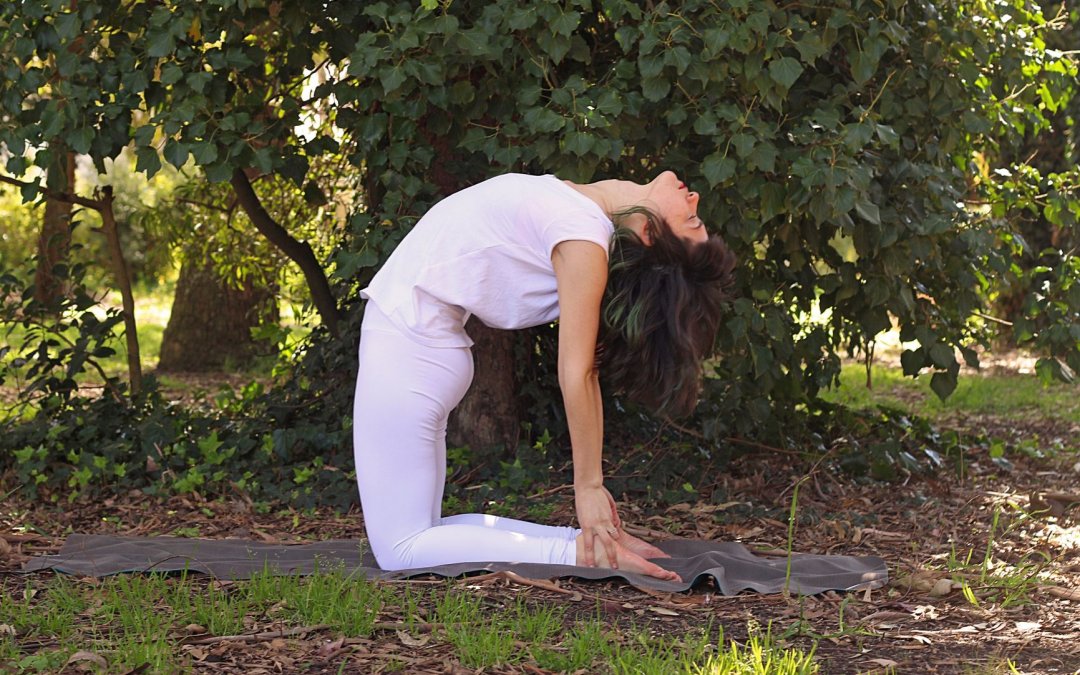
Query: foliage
x=18 y=234
x=1038 y=187
x=59 y=343
x=841 y=145
x=63 y=439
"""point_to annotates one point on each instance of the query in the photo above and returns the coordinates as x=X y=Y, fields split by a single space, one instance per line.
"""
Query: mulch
x=921 y=623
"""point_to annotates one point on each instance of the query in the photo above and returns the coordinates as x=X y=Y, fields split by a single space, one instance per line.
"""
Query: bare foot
x=640 y=546
x=629 y=561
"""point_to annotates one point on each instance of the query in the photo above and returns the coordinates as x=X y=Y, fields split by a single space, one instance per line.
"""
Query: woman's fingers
x=608 y=541
x=590 y=558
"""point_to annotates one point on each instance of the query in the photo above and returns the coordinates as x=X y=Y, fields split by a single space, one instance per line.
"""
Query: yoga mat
x=733 y=567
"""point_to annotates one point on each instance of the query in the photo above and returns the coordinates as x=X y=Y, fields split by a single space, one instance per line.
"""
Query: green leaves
x=204 y=152
x=717 y=168
x=655 y=88
x=944 y=383
x=785 y=71
x=839 y=144
x=391 y=77
x=868 y=211
x=543 y=120
x=566 y=23
x=160 y=42
x=147 y=161
x=80 y=139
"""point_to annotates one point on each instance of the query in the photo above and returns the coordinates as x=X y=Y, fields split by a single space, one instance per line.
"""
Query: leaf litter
x=965 y=594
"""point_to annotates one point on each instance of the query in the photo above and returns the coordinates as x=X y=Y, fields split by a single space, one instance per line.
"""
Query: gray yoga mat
x=731 y=565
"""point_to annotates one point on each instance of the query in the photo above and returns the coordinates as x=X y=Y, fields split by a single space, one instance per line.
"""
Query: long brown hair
x=661 y=311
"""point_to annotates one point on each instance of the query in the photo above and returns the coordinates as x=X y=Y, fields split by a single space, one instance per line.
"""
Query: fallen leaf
x=942 y=587
x=333 y=647
x=921 y=581
x=924 y=612
x=664 y=611
x=194 y=629
x=1053 y=503
x=917 y=638
x=410 y=641
x=197 y=653
x=885 y=615
x=713 y=508
x=13 y=538
x=277 y=607
x=83 y=657
x=1065 y=593
x=883 y=534
x=884 y=663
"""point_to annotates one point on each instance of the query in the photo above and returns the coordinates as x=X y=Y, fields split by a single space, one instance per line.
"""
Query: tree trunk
x=55 y=236
x=123 y=282
x=210 y=324
x=489 y=414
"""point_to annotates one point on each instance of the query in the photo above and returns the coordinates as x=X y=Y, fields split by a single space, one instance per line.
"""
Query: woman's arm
x=581 y=274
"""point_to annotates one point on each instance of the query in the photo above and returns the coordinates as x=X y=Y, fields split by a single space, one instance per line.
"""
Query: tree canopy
x=855 y=154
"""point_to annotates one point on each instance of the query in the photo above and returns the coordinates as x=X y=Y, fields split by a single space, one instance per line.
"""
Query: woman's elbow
x=580 y=375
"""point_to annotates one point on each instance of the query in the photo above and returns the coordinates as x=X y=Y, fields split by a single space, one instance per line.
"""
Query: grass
x=1002 y=395
x=138 y=621
x=984 y=579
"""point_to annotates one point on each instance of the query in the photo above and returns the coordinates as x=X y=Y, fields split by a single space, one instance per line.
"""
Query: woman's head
x=674 y=205
x=662 y=307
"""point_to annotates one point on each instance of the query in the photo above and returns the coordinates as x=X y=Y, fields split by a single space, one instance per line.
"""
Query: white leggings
x=404 y=394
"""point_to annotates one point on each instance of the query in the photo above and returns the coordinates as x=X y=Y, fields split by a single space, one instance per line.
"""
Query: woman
x=520 y=251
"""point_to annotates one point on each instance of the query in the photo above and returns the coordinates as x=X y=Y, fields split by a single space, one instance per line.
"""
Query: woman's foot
x=627 y=560
x=640 y=546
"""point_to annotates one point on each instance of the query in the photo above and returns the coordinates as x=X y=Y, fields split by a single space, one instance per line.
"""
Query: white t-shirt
x=485 y=250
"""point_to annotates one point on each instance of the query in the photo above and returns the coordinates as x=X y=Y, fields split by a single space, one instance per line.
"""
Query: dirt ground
x=1022 y=604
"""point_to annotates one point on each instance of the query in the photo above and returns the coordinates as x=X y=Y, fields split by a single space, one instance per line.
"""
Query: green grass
x=983 y=579
x=1007 y=396
x=136 y=621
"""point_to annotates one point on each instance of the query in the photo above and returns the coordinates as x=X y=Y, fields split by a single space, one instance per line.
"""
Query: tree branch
x=298 y=251
x=123 y=281
x=51 y=194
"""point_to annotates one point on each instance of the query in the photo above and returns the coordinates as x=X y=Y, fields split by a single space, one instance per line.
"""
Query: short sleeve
x=582 y=228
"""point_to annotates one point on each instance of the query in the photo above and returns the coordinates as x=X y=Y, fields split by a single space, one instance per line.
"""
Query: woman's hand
x=599 y=520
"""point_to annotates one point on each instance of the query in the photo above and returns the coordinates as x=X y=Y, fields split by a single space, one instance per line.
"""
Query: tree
x=55 y=236
x=211 y=322
x=1040 y=186
x=816 y=127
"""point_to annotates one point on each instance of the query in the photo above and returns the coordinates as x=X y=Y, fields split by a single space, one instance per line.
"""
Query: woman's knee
x=389 y=555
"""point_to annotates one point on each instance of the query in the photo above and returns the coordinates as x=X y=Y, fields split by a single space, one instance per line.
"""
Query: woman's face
x=671 y=200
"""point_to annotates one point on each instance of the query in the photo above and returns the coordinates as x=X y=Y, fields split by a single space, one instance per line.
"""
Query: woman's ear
x=639 y=224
